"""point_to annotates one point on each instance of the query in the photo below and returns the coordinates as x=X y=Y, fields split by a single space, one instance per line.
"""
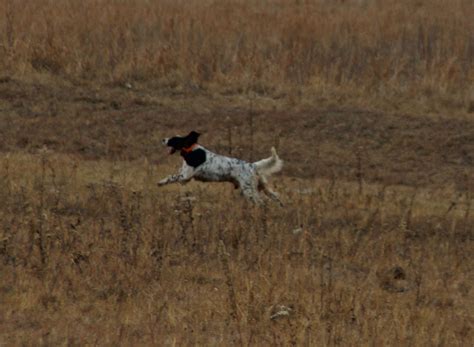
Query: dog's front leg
x=168 y=180
x=183 y=176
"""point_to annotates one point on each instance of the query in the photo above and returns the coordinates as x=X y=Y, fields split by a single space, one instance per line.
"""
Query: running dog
x=203 y=165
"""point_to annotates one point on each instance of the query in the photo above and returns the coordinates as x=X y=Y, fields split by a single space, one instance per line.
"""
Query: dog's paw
x=162 y=183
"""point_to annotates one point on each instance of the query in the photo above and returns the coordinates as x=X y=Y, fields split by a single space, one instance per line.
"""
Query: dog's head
x=177 y=143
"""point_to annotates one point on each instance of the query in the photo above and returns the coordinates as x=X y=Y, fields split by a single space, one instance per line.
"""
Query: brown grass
x=375 y=243
x=382 y=52
x=94 y=253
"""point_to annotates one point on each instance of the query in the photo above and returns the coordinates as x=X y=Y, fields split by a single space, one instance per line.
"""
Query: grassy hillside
x=94 y=253
x=370 y=104
x=397 y=52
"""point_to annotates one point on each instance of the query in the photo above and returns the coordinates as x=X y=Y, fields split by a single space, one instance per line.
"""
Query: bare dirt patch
x=116 y=123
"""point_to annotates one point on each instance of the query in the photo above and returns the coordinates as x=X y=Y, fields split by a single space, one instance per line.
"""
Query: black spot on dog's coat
x=194 y=158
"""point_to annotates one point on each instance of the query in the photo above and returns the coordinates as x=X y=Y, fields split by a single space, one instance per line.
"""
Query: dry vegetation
x=375 y=243
x=395 y=52
x=94 y=253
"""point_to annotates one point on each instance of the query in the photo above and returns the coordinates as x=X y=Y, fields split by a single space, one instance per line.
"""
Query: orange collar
x=190 y=148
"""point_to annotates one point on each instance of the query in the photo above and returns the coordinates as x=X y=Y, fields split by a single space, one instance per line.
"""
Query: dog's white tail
x=271 y=165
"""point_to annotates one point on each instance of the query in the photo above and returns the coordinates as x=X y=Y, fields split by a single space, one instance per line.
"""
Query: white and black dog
x=206 y=166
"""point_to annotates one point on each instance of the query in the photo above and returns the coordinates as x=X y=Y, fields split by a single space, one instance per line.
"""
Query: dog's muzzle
x=165 y=143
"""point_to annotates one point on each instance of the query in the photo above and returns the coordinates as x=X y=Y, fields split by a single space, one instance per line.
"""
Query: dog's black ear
x=193 y=136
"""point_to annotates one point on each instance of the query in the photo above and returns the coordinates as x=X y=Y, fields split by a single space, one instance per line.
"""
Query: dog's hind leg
x=252 y=195
x=263 y=185
x=249 y=189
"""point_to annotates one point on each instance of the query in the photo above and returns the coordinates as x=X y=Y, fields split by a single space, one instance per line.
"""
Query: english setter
x=206 y=166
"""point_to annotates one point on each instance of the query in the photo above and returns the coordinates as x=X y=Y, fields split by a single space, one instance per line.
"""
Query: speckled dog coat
x=203 y=165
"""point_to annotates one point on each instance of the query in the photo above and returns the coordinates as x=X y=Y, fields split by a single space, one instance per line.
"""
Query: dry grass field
x=370 y=104
x=94 y=253
x=395 y=53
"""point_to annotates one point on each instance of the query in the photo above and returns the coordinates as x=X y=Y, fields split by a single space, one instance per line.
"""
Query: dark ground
x=119 y=123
